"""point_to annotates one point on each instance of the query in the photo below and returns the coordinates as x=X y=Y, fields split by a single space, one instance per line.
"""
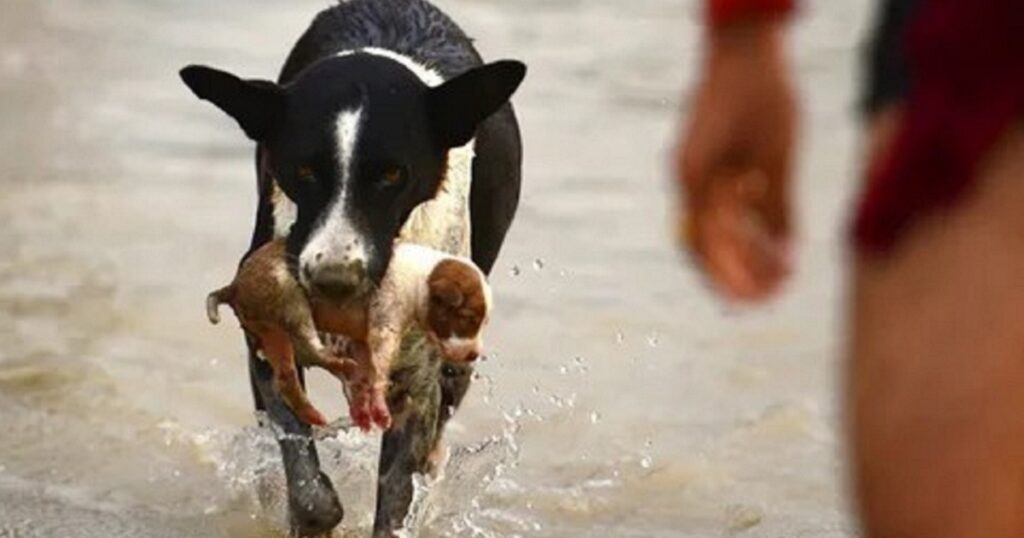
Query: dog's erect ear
x=458 y=106
x=257 y=105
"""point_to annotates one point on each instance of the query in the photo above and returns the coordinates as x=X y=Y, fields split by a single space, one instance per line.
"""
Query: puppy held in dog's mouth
x=459 y=308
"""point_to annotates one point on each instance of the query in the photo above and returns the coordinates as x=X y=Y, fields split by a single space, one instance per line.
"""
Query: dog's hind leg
x=313 y=505
x=455 y=379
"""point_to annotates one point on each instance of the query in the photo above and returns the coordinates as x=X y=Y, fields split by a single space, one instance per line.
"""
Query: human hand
x=734 y=162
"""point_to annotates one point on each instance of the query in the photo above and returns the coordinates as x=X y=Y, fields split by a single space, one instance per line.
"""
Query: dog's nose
x=339 y=280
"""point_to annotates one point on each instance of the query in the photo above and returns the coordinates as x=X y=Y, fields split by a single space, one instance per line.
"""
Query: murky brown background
x=621 y=400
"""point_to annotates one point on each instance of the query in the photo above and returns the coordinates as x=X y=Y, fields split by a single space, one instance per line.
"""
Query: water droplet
x=646 y=462
x=595 y=417
x=214 y=363
x=176 y=473
x=563 y=369
x=515 y=271
x=620 y=338
x=653 y=339
x=648 y=443
x=538 y=264
x=562 y=273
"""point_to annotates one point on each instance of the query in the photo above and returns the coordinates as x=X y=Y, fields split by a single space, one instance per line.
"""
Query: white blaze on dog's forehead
x=451 y=205
x=337 y=239
x=347 y=133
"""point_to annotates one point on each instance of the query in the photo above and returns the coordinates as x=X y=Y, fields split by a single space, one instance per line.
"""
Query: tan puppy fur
x=272 y=307
x=447 y=296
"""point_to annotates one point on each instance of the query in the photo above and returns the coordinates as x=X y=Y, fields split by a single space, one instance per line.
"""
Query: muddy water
x=620 y=400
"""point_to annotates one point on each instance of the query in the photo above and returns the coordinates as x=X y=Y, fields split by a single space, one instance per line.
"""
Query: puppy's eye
x=392 y=176
x=305 y=173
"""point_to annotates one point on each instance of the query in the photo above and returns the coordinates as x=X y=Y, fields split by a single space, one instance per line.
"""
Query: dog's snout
x=339 y=280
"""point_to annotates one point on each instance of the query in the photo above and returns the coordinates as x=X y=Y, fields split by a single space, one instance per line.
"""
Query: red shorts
x=964 y=87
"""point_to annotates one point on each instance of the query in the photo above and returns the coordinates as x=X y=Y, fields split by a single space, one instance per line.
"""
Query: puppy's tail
x=215 y=299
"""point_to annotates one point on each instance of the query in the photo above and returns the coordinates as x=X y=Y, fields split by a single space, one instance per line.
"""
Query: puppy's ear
x=257 y=105
x=457 y=107
x=446 y=292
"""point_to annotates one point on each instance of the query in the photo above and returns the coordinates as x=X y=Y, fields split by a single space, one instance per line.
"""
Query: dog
x=447 y=296
x=384 y=123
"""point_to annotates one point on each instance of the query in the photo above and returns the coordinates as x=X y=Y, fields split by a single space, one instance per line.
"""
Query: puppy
x=272 y=307
x=446 y=296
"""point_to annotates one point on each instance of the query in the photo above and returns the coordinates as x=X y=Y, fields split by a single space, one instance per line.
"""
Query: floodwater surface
x=620 y=399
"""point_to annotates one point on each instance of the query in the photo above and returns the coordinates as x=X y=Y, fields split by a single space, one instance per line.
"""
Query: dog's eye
x=392 y=176
x=305 y=173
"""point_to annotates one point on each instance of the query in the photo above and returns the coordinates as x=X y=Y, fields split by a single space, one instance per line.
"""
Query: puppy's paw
x=379 y=409
x=362 y=418
x=313 y=417
x=360 y=409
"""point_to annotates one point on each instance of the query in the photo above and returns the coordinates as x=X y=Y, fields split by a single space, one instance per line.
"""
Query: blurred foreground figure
x=935 y=385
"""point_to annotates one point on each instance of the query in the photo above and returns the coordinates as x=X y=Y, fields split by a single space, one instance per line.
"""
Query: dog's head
x=458 y=309
x=357 y=141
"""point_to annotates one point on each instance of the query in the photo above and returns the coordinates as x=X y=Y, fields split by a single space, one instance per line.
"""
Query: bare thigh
x=935 y=386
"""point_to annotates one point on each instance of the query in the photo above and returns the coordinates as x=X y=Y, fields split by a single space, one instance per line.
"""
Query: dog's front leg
x=415 y=399
x=313 y=504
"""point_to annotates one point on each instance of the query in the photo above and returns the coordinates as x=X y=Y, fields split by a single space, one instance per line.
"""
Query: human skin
x=936 y=363
x=734 y=160
x=936 y=332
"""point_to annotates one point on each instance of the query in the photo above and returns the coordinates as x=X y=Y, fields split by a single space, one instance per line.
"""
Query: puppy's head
x=458 y=309
x=357 y=141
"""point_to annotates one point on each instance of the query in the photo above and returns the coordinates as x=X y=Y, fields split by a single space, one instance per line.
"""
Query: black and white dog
x=384 y=124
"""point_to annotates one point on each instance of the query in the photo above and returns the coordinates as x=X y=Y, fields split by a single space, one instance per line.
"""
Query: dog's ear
x=457 y=107
x=257 y=105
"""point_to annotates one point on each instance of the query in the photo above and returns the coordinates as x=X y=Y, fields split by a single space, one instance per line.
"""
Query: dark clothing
x=885 y=72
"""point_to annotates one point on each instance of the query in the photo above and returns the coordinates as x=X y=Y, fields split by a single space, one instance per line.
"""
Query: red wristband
x=726 y=11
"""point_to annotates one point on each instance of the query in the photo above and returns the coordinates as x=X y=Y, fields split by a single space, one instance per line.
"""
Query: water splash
x=460 y=502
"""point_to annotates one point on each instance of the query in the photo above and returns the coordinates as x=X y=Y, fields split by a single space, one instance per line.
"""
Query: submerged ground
x=620 y=399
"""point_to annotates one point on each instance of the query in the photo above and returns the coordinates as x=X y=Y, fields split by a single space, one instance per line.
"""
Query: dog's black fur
x=406 y=131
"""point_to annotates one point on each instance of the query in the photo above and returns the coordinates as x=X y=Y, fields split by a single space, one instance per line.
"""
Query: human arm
x=734 y=158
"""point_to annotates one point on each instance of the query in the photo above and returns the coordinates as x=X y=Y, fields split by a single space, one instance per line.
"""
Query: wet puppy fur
x=273 y=308
x=459 y=308
x=406 y=126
